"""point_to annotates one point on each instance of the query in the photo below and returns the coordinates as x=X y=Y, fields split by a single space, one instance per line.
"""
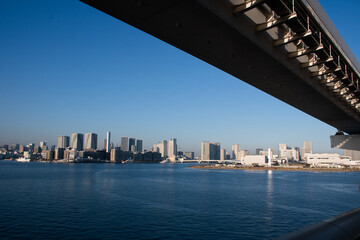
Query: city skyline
x=167 y=148
x=52 y=54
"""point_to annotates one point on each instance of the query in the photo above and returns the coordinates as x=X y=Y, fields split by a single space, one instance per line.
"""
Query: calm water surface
x=165 y=201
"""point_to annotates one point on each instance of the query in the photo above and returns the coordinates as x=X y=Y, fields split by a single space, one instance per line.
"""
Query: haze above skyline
x=66 y=67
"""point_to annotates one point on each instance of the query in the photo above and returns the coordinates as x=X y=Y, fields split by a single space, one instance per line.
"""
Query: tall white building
x=91 y=141
x=124 y=144
x=307 y=149
x=63 y=141
x=163 y=147
x=282 y=147
x=355 y=155
x=235 y=151
x=172 y=147
x=108 y=137
x=222 y=154
x=242 y=154
x=77 y=141
x=288 y=153
x=210 y=151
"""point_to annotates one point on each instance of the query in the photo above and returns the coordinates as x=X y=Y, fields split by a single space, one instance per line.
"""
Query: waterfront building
x=5 y=146
x=288 y=153
x=31 y=146
x=77 y=141
x=27 y=154
x=63 y=141
x=355 y=155
x=21 y=148
x=210 y=151
x=295 y=154
x=155 y=148
x=242 y=154
x=235 y=151
x=228 y=157
x=205 y=150
x=14 y=147
x=329 y=159
x=133 y=148
x=43 y=144
x=222 y=154
x=37 y=149
x=91 y=141
x=108 y=141
x=163 y=147
x=307 y=149
x=270 y=156
x=124 y=144
x=59 y=153
x=282 y=148
x=131 y=143
x=48 y=155
x=115 y=155
x=249 y=160
x=43 y=148
x=139 y=145
x=258 y=151
x=172 y=147
x=265 y=152
x=190 y=155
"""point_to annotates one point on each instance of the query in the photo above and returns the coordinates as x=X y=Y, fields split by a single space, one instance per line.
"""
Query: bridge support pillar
x=350 y=142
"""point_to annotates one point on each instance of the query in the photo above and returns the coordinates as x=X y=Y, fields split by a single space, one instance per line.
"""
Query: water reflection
x=269 y=198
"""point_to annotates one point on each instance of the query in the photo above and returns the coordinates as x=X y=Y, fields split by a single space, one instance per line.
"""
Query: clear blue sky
x=66 y=67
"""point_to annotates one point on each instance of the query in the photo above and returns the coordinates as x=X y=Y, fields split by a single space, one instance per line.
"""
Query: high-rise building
x=172 y=147
x=258 y=151
x=155 y=148
x=354 y=154
x=63 y=141
x=205 y=150
x=131 y=143
x=31 y=147
x=108 y=136
x=59 y=153
x=282 y=147
x=235 y=151
x=133 y=148
x=190 y=155
x=124 y=144
x=139 y=146
x=163 y=148
x=288 y=153
x=295 y=154
x=42 y=144
x=77 y=141
x=15 y=147
x=222 y=154
x=242 y=154
x=210 y=151
x=91 y=141
x=306 y=150
x=21 y=148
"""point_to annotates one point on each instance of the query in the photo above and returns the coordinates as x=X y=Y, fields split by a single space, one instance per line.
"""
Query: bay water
x=165 y=201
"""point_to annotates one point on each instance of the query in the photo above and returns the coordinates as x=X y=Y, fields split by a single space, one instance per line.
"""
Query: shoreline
x=294 y=169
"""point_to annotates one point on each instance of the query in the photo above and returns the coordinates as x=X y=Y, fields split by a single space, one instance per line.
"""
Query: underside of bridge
x=282 y=47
